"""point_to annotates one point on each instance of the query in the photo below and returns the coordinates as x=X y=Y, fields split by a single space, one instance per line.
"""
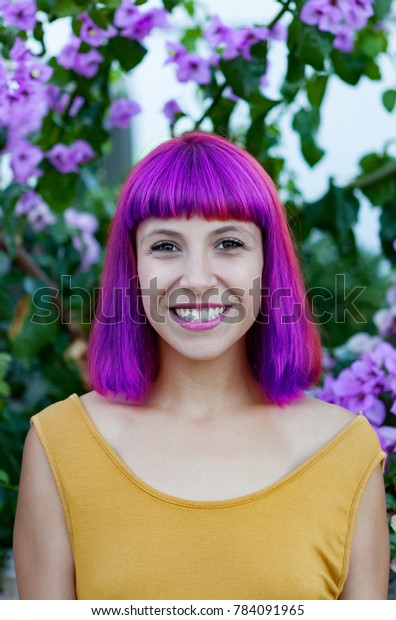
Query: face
x=200 y=281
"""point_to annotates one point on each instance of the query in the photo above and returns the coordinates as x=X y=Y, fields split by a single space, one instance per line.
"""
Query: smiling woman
x=179 y=474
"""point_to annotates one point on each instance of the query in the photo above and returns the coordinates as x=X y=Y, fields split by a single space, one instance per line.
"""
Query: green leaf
x=221 y=114
x=349 y=67
x=381 y=192
x=260 y=106
x=34 y=330
x=306 y=123
x=388 y=233
x=336 y=212
x=371 y=43
x=389 y=99
x=382 y=8
x=5 y=266
x=170 y=4
x=190 y=37
x=99 y=18
x=58 y=190
x=314 y=47
x=5 y=360
x=189 y=6
x=64 y=8
x=373 y=71
x=316 y=88
x=129 y=53
x=4 y=477
x=257 y=136
x=244 y=76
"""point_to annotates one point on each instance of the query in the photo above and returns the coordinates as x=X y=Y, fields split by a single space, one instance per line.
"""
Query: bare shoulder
x=43 y=557
x=98 y=409
x=327 y=415
x=314 y=422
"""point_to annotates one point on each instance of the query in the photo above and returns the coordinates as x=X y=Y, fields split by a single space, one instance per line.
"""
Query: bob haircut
x=201 y=174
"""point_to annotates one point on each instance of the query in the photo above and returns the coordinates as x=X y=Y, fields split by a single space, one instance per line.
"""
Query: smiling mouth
x=199 y=316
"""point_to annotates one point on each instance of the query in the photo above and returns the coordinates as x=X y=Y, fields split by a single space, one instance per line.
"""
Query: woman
x=197 y=467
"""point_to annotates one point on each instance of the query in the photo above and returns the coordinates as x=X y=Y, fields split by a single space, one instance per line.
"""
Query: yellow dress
x=291 y=540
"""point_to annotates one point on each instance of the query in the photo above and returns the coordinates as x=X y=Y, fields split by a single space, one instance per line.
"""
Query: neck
x=204 y=389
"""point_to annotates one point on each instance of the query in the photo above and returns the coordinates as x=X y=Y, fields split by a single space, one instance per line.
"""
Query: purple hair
x=200 y=174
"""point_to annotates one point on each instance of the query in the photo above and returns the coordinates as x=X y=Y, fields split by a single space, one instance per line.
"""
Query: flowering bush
x=368 y=385
x=56 y=120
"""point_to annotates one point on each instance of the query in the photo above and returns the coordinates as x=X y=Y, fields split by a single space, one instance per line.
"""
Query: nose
x=197 y=272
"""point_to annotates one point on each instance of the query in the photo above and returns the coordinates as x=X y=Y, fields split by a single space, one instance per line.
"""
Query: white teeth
x=196 y=315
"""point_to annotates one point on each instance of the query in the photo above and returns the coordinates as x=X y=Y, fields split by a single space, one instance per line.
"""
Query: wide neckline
x=221 y=503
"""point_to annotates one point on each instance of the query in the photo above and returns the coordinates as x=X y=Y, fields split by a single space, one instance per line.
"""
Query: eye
x=157 y=247
x=235 y=243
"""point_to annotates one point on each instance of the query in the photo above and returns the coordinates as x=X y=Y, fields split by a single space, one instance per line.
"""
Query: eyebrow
x=218 y=231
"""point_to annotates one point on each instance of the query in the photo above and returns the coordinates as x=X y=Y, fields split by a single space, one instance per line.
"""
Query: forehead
x=197 y=225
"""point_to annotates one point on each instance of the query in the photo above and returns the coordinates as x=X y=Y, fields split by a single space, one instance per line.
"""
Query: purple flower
x=62 y=158
x=82 y=151
x=193 y=67
x=26 y=116
x=125 y=13
x=214 y=59
x=394 y=245
x=385 y=321
x=68 y=56
x=121 y=112
x=20 y=52
x=344 y=41
x=141 y=24
x=40 y=216
x=78 y=102
x=22 y=14
x=278 y=32
x=83 y=64
x=228 y=93
x=83 y=220
x=176 y=52
x=387 y=437
x=171 y=109
x=52 y=93
x=92 y=34
x=87 y=64
x=374 y=410
x=67 y=158
x=89 y=250
x=391 y=295
x=27 y=201
x=362 y=342
x=24 y=160
x=340 y=17
x=85 y=243
x=216 y=31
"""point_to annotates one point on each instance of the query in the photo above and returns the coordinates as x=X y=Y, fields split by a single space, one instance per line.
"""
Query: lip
x=199 y=326
x=189 y=306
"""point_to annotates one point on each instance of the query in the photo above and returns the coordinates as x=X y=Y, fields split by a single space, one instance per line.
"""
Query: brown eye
x=235 y=244
x=157 y=247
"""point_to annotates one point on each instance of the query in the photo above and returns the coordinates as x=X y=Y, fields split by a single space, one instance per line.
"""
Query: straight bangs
x=187 y=179
x=202 y=175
